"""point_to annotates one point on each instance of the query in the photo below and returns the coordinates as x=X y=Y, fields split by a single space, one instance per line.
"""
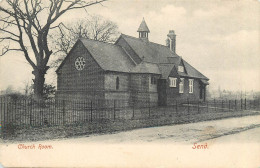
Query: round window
x=80 y=63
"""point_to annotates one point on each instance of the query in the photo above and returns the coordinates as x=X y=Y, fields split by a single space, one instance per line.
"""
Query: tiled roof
x=151 y=52
x=143 y=27
x=157 y=59
x=109 y=56
x=161 y=55
x=174 y=60
x=145 y=67
x=192 y=72
x=165 y=69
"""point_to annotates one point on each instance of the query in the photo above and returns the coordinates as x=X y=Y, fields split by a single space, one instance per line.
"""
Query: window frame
x=173 y=82
x=191 y=85
x=153 y=80
x=181 y=68
x=181 y=85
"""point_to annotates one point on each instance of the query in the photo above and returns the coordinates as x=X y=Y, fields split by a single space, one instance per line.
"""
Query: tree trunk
x=38 y=83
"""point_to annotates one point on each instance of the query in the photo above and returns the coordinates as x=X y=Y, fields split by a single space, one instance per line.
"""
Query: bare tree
x=95 y=28
x=25 y=26
x=28 y=90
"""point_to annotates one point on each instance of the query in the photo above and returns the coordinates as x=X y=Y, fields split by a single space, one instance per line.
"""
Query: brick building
x=132 y=69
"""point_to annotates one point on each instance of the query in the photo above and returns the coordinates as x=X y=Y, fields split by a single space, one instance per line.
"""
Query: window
x=191 y=85
x=80 y=63
x=180 y=68
x=153 y=80
x=117 y=83
x=173 y=82
x=181 y=84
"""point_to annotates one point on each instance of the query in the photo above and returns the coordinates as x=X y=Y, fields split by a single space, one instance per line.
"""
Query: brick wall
x=173 y=92
x=111 y=92
x=110 y=81
x=141 y=89
x=88 y=83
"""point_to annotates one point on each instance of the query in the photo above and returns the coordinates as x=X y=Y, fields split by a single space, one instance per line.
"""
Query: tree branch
x=8 y=32
x=21 y=42
x=8 y=38
x=6 y=49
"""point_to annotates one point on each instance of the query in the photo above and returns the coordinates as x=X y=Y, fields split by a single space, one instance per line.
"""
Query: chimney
x=171 y=40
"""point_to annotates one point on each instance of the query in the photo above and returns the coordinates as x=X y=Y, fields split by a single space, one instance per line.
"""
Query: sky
x=219 y=38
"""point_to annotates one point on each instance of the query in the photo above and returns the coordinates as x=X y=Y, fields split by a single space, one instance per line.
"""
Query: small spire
x=143 y=31
x=143 y=27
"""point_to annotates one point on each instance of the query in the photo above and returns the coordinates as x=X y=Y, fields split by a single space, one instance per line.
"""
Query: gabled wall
x=88 y=83
x=173 y=94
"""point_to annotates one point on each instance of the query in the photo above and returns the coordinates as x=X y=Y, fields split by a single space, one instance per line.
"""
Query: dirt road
x=184 y=133
x=232 y=142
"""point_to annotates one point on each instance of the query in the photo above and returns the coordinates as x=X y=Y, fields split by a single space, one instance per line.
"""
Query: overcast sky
x=219 y=38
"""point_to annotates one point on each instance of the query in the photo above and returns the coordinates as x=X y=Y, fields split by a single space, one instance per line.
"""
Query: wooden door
x=162 y=95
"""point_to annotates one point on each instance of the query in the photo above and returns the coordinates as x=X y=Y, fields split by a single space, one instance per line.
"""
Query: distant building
x=132 y=69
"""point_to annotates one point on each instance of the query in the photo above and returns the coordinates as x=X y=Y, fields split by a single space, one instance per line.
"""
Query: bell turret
x=143 y=30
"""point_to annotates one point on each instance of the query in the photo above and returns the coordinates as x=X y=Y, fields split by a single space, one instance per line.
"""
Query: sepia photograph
x=130 y=83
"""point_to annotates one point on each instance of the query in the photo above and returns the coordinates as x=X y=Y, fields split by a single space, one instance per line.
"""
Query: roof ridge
x=159 y=44
x=131 y=36
x=97 y=41
x=136 y=38
x=166 y=63
x=149 y=62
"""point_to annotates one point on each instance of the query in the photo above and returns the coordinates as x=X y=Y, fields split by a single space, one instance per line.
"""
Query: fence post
x=149 y=108
x=198 y=106
x=188 y=106
x=1 y=105
x=3 y=124
x=63 y=111
x=114 y=109
x=245 y=103
x=15 y=110
x=30 y=112
x=229 y=105
x=133 y=109
x=235 y=104
x=3 y=116
x=25 y=111
x=7 y=113
x=176 y=106
x=215 y=105
x=222 y=105
x=207 y=106
x=91 y=110
x=241 y=104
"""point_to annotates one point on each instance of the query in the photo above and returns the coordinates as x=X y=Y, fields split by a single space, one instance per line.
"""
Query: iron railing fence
x=25 y=113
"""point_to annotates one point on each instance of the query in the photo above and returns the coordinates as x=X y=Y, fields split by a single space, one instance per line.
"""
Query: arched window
x=117 y=83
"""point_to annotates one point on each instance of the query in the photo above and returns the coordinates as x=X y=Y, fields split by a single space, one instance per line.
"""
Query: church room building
x=132 y=69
